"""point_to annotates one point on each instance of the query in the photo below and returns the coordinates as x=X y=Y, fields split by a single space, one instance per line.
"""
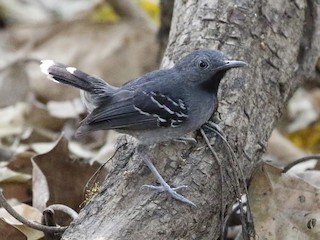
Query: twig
x=48 y=219
x=234 y=170
x=221 y=179
x=95 y=176
x=25 y=221
x=300 y=160
x=63 y=208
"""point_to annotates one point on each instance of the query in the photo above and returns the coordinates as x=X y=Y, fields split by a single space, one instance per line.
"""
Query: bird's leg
x=163 y=185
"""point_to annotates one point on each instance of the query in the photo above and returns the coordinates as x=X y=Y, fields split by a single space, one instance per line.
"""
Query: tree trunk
x=278 y=38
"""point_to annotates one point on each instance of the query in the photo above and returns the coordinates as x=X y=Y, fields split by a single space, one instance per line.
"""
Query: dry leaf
x=39 y=117
x=21 y=191
x=307 y=138
x=5 y=154
x=15 y=184
x=13 y=119
x=80 y=150
x=40 y=189
x=21 y=162
x=284 y=206
x=30 y=213
x=66 y=178
x=302 y=110
x=129 y=51
x=66 y=109
x=7 y=175
x=42 y=147
x=14 y=85
x=282 y=149
x=9 y=232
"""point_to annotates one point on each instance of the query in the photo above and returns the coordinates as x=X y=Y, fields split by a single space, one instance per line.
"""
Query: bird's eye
x=203 y=64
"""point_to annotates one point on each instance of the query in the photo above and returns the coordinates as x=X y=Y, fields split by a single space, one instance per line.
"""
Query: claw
x=171 y=191
x=164 y=187
x=161 y=188
x=181 y=198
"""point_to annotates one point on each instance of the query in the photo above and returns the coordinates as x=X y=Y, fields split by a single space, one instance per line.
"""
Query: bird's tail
x=95 y=89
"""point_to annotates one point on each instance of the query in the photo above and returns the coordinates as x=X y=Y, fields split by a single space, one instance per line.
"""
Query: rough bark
x=278 y=38
x=166 y=7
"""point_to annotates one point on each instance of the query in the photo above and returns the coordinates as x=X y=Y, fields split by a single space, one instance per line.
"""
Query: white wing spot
x=181 y=104
x=140 y=111
x=173 y=102
x=174 y=122
x=179 y=114
x=162 y=106
x=161 y=119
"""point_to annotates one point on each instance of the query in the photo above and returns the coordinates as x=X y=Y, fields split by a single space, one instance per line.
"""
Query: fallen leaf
x=21 y=191
x=131 y=45
x=5 y=154
x=40 y=188
x=13 y=119
x=39 y=117
x=42 y=147
x=66 y=109
x=21 y=162
x=307 y=138
x=14 y=85
x=282 y=149
x=7 y=175
x=301 y=110
x=30 y=213
x=284 y=206
x=80 y=150
x=15 y=184
x=9 y=232
x=66 y=178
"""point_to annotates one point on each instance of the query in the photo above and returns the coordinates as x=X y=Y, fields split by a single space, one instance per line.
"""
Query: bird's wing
x=169 y=112
x=137 y=110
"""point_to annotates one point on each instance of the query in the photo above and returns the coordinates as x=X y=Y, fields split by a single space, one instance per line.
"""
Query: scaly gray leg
x=163 y=185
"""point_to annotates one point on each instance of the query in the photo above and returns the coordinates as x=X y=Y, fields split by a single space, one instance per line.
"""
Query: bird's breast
x=201 y=109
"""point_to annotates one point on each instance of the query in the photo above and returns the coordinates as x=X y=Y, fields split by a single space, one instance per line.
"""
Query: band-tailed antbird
x=156 y=107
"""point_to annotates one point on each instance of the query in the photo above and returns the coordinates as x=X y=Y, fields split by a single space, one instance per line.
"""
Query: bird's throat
x=212 y=84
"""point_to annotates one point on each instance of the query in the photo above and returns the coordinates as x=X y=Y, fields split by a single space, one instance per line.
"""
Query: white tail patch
x=71 y=70
x=44 y=67
x=50 y=77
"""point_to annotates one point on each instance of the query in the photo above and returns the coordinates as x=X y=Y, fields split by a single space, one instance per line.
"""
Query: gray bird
x=158 y=106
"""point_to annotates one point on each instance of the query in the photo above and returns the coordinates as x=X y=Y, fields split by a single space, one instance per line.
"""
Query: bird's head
x=206 y=67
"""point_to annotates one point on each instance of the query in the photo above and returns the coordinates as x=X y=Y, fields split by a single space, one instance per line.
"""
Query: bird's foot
x=161 y=188
x=171 y=191
x=163 y=185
